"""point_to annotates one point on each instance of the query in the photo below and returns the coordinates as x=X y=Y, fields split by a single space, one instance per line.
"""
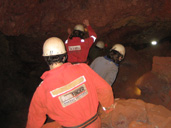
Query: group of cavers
x=78 y=82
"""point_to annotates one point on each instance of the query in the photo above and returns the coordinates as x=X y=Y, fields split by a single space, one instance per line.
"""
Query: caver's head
x=117 y=53
x=100 y=44
x=78 y=31
x=54 y=51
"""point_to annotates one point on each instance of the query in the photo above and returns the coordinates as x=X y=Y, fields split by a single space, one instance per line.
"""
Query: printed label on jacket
x=74 y=48
x=73 y=96
x=66 y=88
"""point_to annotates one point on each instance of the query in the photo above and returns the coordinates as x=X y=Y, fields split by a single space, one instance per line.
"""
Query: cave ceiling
x=115 y=21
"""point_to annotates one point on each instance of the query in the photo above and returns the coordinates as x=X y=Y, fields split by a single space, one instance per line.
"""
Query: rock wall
x=156 y=85
x=162 y=66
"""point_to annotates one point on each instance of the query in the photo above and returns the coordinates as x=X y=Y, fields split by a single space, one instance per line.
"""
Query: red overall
x=70 y=95
x=78 y=49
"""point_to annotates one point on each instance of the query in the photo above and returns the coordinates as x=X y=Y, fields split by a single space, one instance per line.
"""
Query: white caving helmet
x=79 y=27
x=100 y=44
x=120 y=48
x=53 y=46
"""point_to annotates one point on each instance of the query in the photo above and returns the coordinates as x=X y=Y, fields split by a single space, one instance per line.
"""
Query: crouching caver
x=69 y=94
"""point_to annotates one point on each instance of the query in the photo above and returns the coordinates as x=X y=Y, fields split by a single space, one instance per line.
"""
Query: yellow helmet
x=53 y=46
x=120 y=48
x=100 y=44
x=79 y=27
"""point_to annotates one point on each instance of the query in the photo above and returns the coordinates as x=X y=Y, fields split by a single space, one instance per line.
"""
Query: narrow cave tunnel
x=144 y=77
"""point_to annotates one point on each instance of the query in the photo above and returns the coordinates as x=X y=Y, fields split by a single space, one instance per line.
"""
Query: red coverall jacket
x=70 y=95
x=78 y=49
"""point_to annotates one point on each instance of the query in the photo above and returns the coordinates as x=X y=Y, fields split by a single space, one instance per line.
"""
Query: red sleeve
x=37 y=113
x=91 y=31
x=92 y=36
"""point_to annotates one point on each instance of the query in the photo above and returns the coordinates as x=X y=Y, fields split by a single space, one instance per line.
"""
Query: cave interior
x=25 y=25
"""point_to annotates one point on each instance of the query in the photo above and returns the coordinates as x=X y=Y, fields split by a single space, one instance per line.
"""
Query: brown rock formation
x=137 y=114
x=156 y=84
x=132 y=114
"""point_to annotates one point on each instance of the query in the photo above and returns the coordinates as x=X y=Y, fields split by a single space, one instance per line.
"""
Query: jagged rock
x=132 y=113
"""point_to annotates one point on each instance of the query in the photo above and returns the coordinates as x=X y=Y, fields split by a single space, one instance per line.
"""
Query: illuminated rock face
x=156 y=84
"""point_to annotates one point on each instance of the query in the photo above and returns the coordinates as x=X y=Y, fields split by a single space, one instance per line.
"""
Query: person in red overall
x=69 y=93
x=77 y=47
